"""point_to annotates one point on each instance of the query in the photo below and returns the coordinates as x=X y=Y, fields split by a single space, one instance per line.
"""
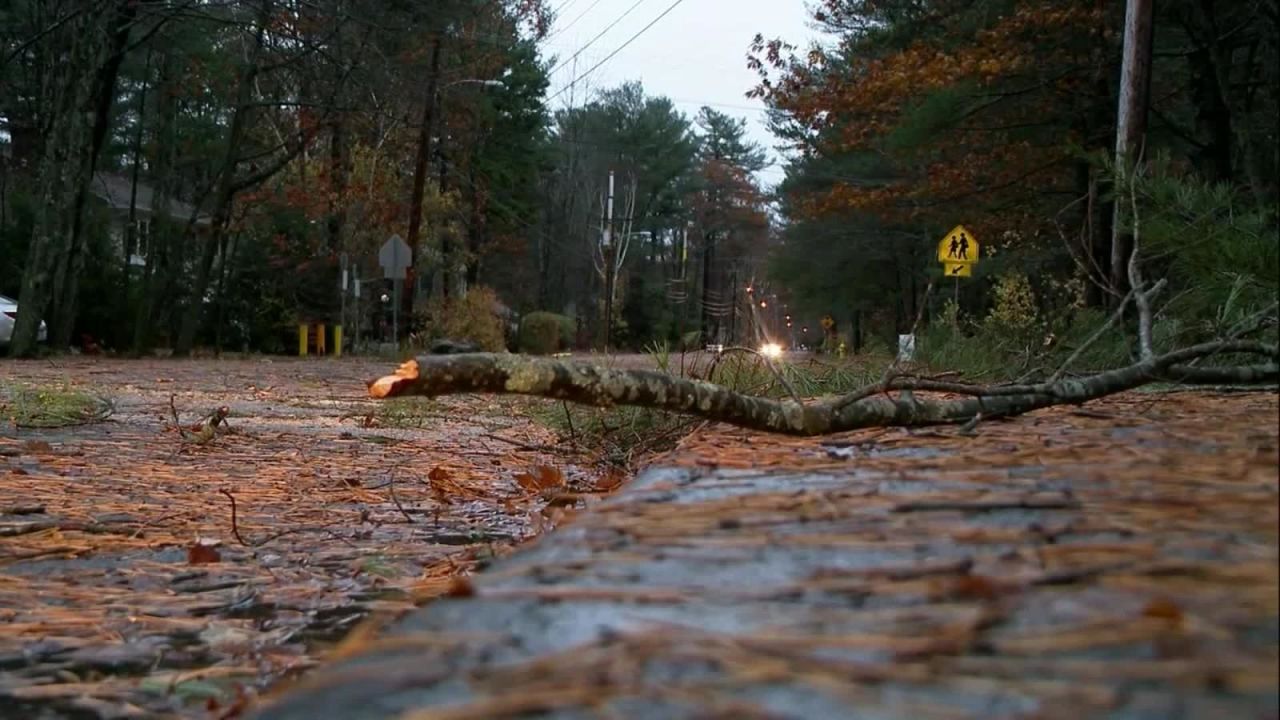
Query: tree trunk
x=66 y=287
x=414 y=233
x=1131 y=124
x=475 y=230
x=68 y=95
x=338 y=179
x=446 y=236
x=160 y=244
x=131 y=228
x=1213 y=118
x=225 y=187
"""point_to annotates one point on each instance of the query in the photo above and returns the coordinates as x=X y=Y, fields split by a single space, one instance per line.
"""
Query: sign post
x=395 y=256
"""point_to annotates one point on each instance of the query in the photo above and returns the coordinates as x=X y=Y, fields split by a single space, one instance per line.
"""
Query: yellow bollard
x=320 y=339
x=302 y=338
x=337 y=341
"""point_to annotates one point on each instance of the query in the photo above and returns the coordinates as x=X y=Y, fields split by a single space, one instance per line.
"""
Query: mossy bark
x=871 y=407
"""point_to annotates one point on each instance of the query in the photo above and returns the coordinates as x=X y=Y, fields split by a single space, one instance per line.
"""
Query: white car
x=9 y=314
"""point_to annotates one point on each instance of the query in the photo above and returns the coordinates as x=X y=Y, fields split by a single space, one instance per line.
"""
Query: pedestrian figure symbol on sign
x=958 y=251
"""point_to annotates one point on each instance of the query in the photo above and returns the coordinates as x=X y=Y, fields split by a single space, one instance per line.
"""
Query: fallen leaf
x=460 y=587
x=610 y=480
x=1163 y=608
x=201 y=552
x=541 y=477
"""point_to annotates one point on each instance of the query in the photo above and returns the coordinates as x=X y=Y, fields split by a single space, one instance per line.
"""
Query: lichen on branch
x=872 y=406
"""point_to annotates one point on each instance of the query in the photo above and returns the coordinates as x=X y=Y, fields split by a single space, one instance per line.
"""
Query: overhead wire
x=598 y=35
x=574 y=21
x=617 y=50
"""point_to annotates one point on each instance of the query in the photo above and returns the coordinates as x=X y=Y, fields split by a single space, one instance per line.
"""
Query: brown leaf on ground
x=460 y=587
x=609 y=480
x=202 y=552
x=1163 y=608
x=541 y=477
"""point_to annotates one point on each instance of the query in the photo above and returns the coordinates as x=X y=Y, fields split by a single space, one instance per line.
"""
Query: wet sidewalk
x=1117 y=561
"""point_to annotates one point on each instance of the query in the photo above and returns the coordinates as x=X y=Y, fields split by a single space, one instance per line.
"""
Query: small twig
x=521 y=445
x=1111 y=321
x=568 y=418
x=173 y=409
x=235 y=525
x=391 y=484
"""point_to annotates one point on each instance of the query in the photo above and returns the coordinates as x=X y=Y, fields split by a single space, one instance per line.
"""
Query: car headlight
x=771 y=350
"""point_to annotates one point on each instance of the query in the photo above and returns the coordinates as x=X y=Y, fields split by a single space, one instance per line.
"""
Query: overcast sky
x=695 y=55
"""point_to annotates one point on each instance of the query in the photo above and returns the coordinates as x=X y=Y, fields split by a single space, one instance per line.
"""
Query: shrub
x=568 y=331
x=540 y=333
x=473 y=317
x=1014 y=312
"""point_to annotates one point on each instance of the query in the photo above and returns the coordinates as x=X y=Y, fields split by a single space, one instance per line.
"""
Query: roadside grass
x=626 y=436
x=407 y=413
x=56 y=406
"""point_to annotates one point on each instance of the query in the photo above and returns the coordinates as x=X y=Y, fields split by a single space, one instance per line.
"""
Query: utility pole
x=609 y=262
x=1131 y=126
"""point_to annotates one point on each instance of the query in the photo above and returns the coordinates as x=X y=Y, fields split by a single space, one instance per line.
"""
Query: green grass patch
x=623 y=435
x=55 y=406
x=407 y=413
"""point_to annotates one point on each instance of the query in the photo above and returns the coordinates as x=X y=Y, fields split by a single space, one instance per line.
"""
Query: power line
x=619 y=49
x=576 y=19
x=599 y=35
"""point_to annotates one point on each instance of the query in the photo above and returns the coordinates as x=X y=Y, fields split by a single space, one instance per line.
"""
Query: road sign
x=958 y=246
x=395 y=257
x=958 y=269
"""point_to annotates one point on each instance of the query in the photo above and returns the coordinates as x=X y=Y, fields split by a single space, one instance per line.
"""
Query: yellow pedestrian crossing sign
x=958 y=247
x=958 y=269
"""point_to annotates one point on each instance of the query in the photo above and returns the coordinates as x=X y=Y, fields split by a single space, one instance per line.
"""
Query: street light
x=472 y=81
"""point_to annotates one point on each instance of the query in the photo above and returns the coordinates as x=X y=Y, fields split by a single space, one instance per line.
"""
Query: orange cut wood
x=390 y=385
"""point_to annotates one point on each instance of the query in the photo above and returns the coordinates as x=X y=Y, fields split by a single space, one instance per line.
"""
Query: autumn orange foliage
x=1022 y=86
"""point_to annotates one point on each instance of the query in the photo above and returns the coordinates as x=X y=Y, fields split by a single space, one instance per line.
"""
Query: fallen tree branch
x=605 y=387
